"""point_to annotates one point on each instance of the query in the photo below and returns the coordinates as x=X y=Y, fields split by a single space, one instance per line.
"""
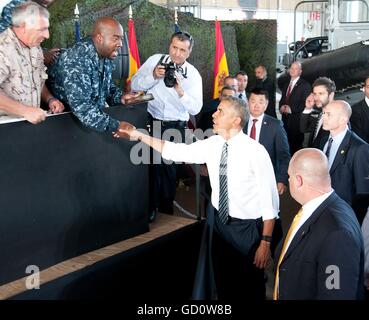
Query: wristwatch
x=266 y=238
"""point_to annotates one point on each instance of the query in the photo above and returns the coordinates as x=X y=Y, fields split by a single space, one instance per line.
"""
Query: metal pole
x=198 y=209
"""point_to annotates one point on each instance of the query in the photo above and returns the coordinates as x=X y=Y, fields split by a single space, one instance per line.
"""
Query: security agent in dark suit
x=360 y=115
x=270 y=133
x=292 y=104
x=311 y=121
x=263 y=82
x=347 y=157
x=322 y=255
x=205 y=120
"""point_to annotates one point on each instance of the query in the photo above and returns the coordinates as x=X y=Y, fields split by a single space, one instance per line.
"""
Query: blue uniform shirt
x=84 y=81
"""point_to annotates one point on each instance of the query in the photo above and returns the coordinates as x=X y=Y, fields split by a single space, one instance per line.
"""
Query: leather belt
x=172 y=122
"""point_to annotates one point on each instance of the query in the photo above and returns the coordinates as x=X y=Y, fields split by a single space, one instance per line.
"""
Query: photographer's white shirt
x=167 y=105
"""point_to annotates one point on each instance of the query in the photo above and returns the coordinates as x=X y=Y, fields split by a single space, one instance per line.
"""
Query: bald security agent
x=322 y=255
x=348 y=158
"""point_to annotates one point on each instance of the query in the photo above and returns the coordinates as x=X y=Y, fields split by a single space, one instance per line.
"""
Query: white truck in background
x=339 y=48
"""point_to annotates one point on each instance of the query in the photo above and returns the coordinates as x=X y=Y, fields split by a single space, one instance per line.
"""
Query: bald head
x=336 y=116
x=342 y=107
x=309 y=175
x=105 y=24
x=107 y=35
x=311 y=163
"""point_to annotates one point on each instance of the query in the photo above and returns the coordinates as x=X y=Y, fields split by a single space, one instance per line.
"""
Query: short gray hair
x=239 y=107
x=26 y=11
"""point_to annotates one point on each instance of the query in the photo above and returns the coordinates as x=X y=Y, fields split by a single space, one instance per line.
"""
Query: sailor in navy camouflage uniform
x=82 y=76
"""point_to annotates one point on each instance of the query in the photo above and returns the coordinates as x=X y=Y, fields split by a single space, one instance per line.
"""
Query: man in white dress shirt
x=170 y=109
x=252 y=198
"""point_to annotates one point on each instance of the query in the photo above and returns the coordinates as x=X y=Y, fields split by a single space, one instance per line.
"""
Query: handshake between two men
x=128 y=131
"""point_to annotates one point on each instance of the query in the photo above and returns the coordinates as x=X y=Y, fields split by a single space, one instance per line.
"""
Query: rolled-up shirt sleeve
x=189 y=153
x=267 y=185
x=192 y=98
x=143 y=79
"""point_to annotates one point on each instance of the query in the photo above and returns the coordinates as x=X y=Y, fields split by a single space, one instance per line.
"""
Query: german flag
x=220 y=63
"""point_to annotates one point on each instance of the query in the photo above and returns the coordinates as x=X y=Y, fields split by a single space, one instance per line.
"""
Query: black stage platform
x=66 y=190
x=160 y=270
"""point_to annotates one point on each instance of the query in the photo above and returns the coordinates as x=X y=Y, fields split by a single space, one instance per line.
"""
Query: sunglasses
x=186 y=34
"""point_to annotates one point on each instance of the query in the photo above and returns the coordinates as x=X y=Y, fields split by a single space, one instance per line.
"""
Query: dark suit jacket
x=269 y=86
x=297 y=98
x=296 y=101
x=330 y=237
x=350 y=173
x=360 y=120
x=350 y=168
x=308 y=123
x=274 y=139
x=205 y=117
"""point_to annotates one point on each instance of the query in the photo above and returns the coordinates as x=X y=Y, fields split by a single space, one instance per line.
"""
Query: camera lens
x=169 y=78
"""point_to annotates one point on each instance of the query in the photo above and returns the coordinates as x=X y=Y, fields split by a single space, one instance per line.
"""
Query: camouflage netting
x=256 y=43
x=246 y=42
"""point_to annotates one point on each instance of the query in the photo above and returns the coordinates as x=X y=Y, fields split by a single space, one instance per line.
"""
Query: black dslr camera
x=169 y=77
x=170 y=69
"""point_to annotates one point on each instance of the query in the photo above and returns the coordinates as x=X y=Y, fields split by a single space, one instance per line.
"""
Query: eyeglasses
x=186 y=34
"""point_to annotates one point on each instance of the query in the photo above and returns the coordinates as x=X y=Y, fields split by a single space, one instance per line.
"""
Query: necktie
x=223 y=186
x=319 y=122
x=327 y=152
x=289 y=89
x=283 y=251
x=253 y=129
x=240 y=96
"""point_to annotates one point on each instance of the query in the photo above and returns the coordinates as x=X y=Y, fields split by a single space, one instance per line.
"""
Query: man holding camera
x=177 y=89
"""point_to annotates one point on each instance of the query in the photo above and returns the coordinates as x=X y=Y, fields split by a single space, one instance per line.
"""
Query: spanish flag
x=134 y=57
x=220 y=63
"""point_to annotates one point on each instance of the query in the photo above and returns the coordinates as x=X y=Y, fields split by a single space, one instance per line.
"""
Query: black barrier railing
x=66 y=190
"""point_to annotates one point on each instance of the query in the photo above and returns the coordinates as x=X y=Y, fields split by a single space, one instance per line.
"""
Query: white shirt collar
x=337 y=139
x=307 y=210
x=260 y=118
x=309 y=207
x=294 y=81
x=234 y=139
x=367 y=101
